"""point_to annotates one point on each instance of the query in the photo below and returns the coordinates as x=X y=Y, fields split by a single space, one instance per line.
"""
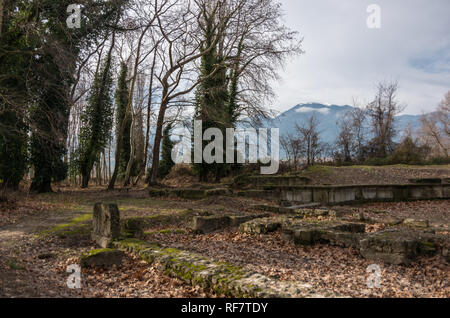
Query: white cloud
x=344 y=59
x=324 y=111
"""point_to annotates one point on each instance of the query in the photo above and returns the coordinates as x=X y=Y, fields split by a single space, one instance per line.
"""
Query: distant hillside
x=328 y=116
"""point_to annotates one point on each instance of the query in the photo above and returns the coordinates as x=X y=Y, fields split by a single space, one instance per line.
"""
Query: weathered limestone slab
x=102 y=258
x=208 y=224
x=261 y=226
x=106 y=224
x=389 y=246
x=398 y=245
x=301 y=195
x=342 y=195
x=236 y=220
x=416 y=223
x=351 y=193
x=134 y=227
x=338 y=233
x=311 y=212
x=221 y=278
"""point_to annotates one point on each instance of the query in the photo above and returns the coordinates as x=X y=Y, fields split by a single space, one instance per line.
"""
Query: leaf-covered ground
x=399 y=174
x=40 y=235
x=33 y=266
x=340 y=270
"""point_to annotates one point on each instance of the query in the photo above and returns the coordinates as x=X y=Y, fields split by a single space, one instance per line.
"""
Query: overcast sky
x=345 y=59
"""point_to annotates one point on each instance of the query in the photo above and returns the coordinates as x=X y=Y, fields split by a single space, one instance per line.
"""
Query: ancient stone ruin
x=106 y=224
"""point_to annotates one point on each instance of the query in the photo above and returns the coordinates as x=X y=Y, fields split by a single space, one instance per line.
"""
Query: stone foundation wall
x=363 y=193
x=221 y=278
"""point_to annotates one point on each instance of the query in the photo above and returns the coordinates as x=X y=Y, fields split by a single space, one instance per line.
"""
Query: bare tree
x=345 y=141
x=382 y=112
x=158 y=8
x=149 y=113
x=180 y=48
x=308 y=132
x=256 y=46
x=359 y=119
x=293 y=148
x=436 y=127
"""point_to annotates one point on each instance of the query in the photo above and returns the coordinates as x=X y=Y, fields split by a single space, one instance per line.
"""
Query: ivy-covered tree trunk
x=121 y=97
x=158 y=137
x=96 y=120
x=166 y=164
x=49 y=117
x=211 y=100
x=13 y=92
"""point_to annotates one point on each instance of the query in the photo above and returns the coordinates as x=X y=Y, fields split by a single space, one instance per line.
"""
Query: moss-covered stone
x=106 y=224
x=399 y=245
x=305 y=232
x=208 y=224
x=102 y=258
x=261 y=226
x=220 y=277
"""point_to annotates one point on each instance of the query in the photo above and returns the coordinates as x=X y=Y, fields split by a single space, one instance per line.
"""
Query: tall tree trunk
x=147 y=132
x=158 y=137
x=132 y=152
x=88 y=169
x=128 y=113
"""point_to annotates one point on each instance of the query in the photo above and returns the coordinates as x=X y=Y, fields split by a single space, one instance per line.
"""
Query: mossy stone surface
x=102 y=258
x=220 y=277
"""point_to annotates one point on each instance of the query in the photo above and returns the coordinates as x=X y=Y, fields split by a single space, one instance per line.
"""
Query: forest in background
x=100 y=101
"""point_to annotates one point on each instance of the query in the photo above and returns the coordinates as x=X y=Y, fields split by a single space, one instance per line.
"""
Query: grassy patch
x=76 y=227
x=166 y=232
x=327 y=170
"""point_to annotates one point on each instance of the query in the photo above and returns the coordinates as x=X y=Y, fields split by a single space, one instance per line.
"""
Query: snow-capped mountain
x=328 y=116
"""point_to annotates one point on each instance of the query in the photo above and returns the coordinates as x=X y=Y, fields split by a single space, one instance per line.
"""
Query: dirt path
x=21 y=274
x=32 y=266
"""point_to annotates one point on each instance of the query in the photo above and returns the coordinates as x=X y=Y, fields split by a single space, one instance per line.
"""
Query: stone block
x=102 y=258
x=391 y=246
x=208 y=224
x=237 y=220
x=416 y=223
x=334 y=233
x=106 y=224
x=261 y=226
